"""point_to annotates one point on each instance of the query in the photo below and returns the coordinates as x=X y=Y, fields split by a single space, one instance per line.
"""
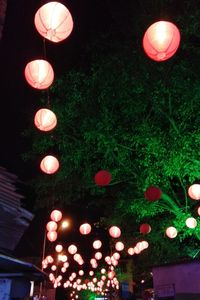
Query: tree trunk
x=3 y=6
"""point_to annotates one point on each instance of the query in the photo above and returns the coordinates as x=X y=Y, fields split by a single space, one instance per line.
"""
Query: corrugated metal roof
x=14 y=219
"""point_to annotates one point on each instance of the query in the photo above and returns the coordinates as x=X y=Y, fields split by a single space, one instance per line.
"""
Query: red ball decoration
x=145 y=228
x=39 y=74
x=45 y=119
x=161 y=40
x=53 y=21
x=153 y=193
x=102 y=178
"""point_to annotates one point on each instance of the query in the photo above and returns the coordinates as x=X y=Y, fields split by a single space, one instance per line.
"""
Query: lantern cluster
x=53 y=21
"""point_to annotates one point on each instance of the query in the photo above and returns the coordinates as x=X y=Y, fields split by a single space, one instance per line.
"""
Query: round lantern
x=56 y=215
x=111 y=274
x=39 y=74
x=51 y=226
x=191 y=223
x=116 y=256
x=97 y=244
x=45 y=119
x=131 y=251
x=161 y=40
x=59 y=248
x=85 y=228
x=171 y=232
x=145 y=244
x=145 y=228
x=49 y=164
x=198 y=210
x=81 y=272
x=119 y=246
x=91 y=273
x=72 y=249
x=52 y=236
x=194 y=191
x=102 y=178
x=98 y=255
x=114 y=231
x=153 y=193
x=54 y=21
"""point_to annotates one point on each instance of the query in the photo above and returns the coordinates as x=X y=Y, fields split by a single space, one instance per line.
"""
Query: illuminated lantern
x=97 y=244
x=72 y=249
x=136 y=250
x=91 y=273
x=52 y=236
x=161 y=40
x=111 y=274
x=56 y=215
x=114 y=231
x=49 y=259
x=45 y=119
x=39 y=74
x=145 y=228
x=145 y=244
x=98 y=255
x=102 y=178
x=153 y=193
x=53 y=268
x=81 y=272
x=103 y=271
x=116 y=256
x=198 y=210
x=194 y=191
x=49 y=164
x=53 y=21
x=191 y=223
x=171 y=232
x=130 y=251
x=85 y=228
x=66 y=265
x=59 y=248
x=119 y=246
x=51 y=226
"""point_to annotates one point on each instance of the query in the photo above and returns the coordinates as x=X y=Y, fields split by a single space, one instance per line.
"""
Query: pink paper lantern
x=56 y=215
x=45 y=119
x=114 y=231
x=153 y=193
x=131 y=251
x=39 y=74
x=53 y=21
x=191 y=223
x=52 y=236
x=171 y=232
x=194 y=191
x=59 y=248
x=98 y=255
x=97 y=244
x=119 y=246
x=102 y=178
x=161 y=40
x=72 y=249
x=51 y=226
x=49 y=164
x=85 y=228
x=145 y=228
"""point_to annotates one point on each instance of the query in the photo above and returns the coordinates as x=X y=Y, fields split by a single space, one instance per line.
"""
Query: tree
x=139 y=120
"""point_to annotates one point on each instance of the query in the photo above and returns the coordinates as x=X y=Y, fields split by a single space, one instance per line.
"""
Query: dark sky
x=20 y=44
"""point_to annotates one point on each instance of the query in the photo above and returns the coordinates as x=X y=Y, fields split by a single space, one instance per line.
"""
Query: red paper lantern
x=56 y=215
x=39 y=74
x=114 y=231
x=52 y=236
x=72 y=249
x=49 y=164
x=145 y=228
x=153 y=193
x=85 y=228
x=119 y=246
x=45 y=119
x=171 y=232
x=54 y=21
x=102 y=178
x=194 y=191
x=161 y=40
x=51 y=226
